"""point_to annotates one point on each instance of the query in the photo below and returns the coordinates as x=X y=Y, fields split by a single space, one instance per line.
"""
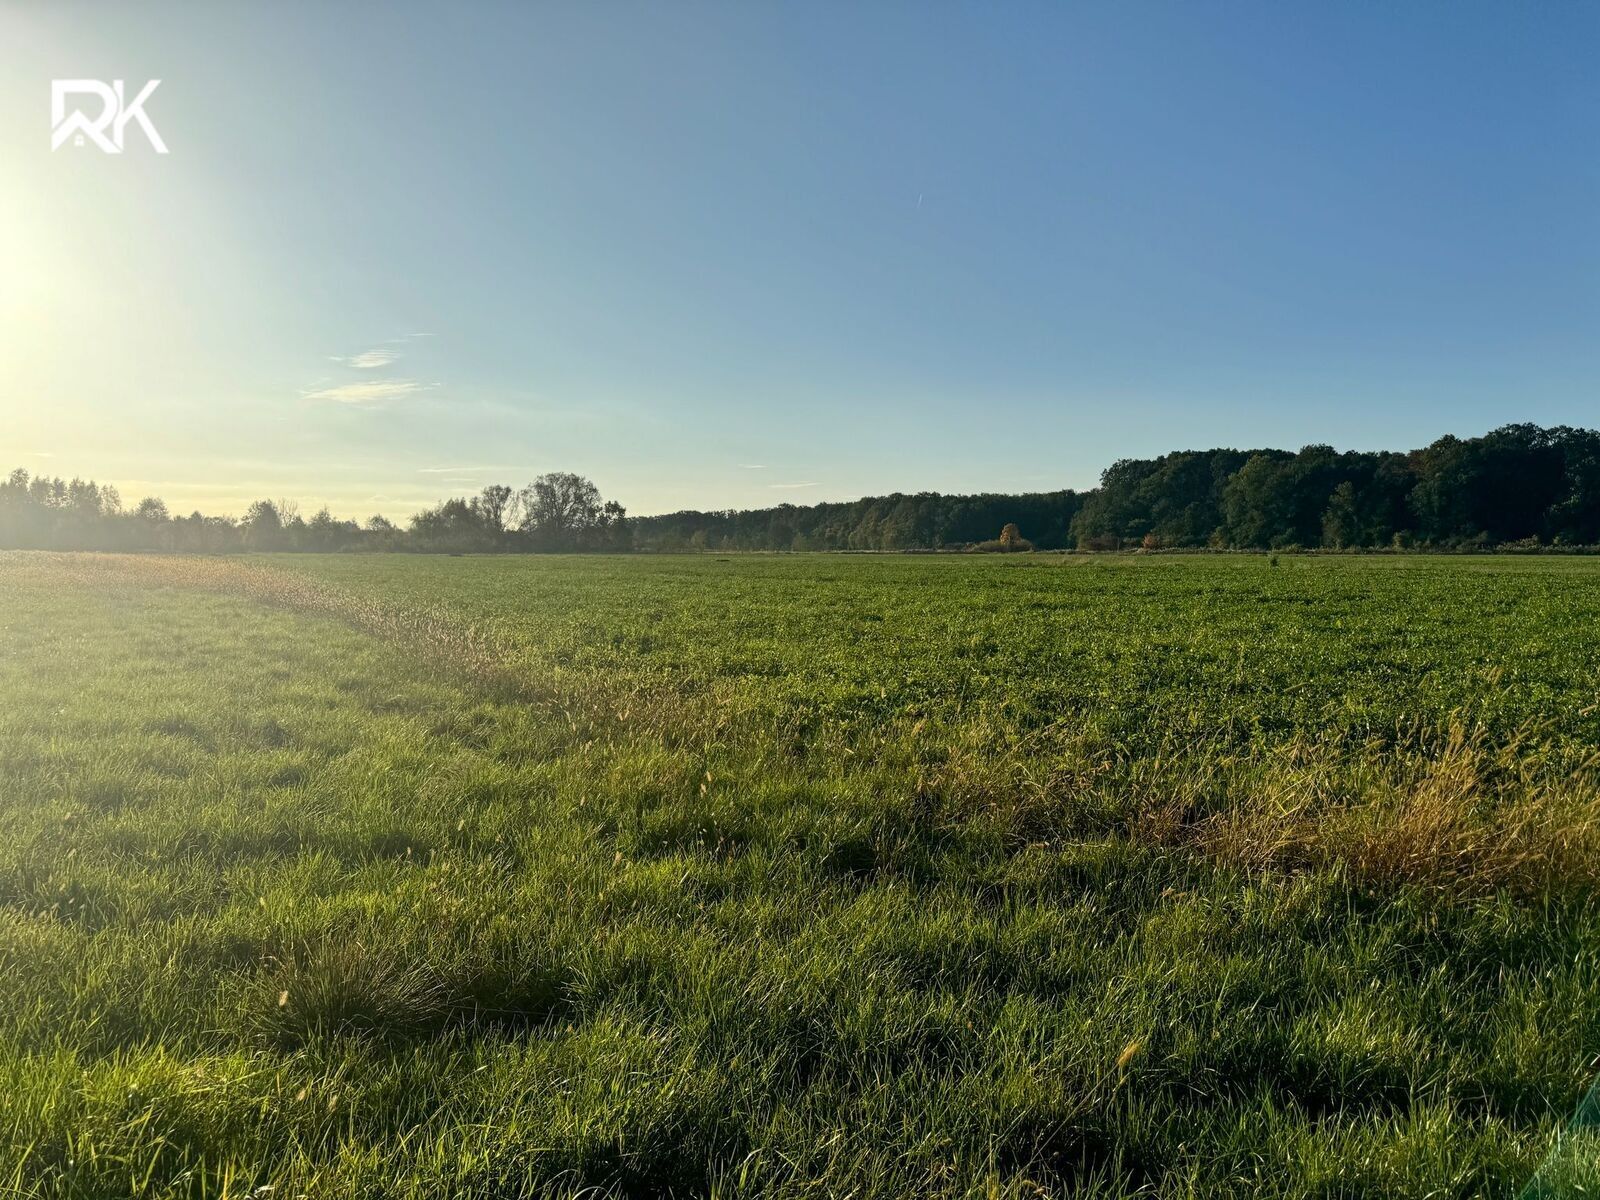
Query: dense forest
x=925 y=521
x=1520 y=486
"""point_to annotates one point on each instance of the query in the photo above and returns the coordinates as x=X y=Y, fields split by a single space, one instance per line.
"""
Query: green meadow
x=801 y=875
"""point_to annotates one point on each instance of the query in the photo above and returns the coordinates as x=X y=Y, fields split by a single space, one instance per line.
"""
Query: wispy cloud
x=458 y=470
x=382 y=355
x=373 y=391
x=368 y=359
x=809 y=483
x=752 y=466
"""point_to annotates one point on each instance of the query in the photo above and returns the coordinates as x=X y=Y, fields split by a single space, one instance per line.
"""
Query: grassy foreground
x=797 y=876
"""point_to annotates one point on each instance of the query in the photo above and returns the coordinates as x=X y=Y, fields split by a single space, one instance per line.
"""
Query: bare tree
x=559 y=509
x=492 y=502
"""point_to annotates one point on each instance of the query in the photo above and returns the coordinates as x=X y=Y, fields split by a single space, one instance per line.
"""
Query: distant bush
x=996 y=546
x=1010 y=541
x=1100 y=542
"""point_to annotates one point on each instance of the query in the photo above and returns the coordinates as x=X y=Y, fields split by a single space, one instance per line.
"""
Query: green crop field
x=398 y=876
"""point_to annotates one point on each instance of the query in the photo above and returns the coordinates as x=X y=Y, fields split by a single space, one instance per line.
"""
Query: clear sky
x=730 y=255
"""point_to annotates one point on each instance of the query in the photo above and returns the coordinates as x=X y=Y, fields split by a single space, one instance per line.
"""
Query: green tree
x=1341 y=523
x=1255 y=505
x=263 y=526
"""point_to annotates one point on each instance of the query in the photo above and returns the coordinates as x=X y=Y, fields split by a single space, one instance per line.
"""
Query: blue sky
x=719 y=255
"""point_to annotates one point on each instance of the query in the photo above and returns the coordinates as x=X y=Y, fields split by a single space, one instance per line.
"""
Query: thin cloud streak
x=810 y=483
x=368 y=359
x=375 y=391
x=380 y=355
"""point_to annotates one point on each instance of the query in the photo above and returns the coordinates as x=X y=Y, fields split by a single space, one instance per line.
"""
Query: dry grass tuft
x=1460 y=813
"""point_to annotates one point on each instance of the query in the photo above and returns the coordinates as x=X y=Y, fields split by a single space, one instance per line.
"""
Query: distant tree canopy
x=1515 y=484
x=925 y=521
x=557 y=512
x=1520 y=485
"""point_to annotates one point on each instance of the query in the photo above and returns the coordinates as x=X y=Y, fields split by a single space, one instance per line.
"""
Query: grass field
x=825 y=876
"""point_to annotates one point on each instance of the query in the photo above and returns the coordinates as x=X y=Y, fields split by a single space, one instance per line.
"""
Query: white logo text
x=115 y=112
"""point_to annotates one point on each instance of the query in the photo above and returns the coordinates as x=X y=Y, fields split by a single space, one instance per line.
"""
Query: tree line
x=556 y=512
x=1520 y=486
x=925 y=521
